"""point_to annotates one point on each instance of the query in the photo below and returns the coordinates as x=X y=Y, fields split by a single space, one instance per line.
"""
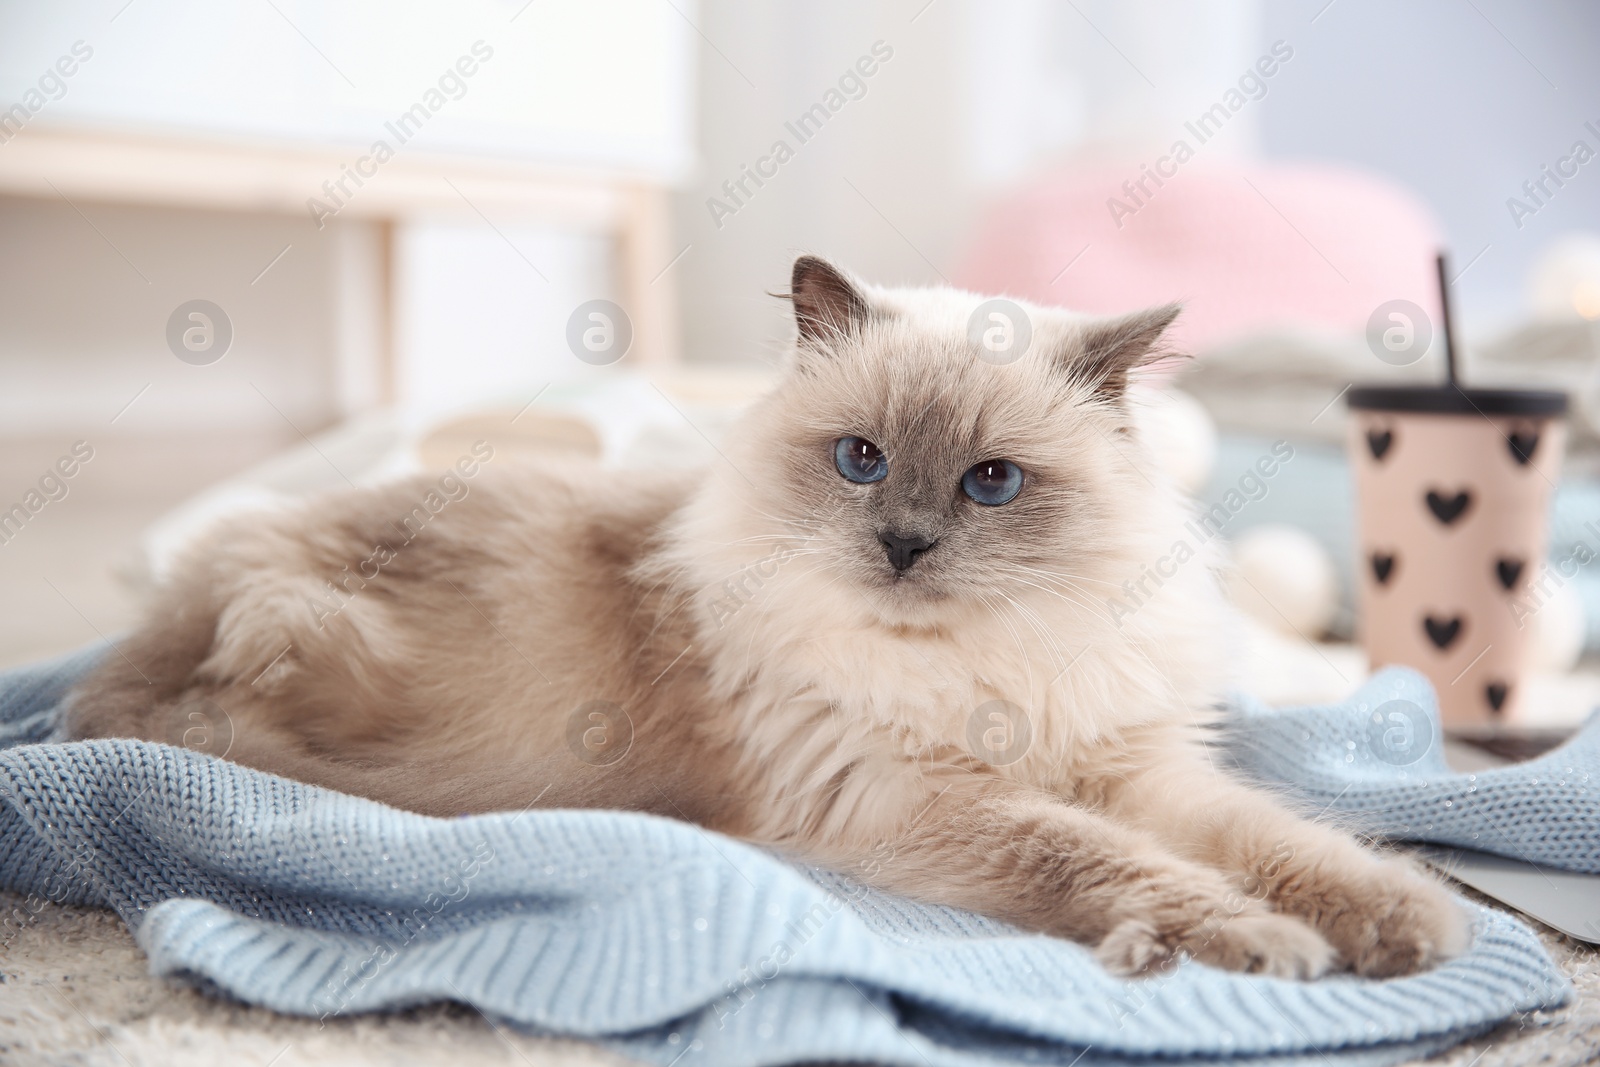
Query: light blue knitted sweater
x=677 y=946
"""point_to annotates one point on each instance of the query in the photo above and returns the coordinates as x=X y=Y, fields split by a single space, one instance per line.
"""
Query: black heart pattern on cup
x=1442 y=632
x=1382 y=566
x=1523 y=446
x=1447 y=509
x=1508 y=571
x=1495 y=693
x=1379 y=441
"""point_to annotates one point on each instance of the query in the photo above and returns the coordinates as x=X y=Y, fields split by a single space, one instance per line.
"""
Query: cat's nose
x=903 y=551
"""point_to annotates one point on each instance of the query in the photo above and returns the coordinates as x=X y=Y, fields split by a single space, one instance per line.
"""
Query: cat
x=873 y=636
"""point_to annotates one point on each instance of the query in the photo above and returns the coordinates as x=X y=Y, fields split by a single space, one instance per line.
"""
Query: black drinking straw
x=1449 y=327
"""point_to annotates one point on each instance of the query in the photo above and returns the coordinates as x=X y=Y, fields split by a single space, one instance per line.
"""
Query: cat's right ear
x=828 y=305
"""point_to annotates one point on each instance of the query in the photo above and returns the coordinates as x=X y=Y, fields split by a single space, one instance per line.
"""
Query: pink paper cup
x=1453 y=490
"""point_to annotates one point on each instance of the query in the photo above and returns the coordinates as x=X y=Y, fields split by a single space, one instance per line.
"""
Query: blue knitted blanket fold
x=678 y=946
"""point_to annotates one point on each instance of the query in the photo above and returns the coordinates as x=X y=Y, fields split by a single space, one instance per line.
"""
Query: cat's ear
x=828 y=305
x=1109 y=350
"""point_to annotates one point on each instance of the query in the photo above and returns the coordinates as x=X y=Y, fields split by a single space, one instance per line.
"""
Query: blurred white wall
x=588 y=83
x=975 y=94
x=1461 y=102
x=1046 y=79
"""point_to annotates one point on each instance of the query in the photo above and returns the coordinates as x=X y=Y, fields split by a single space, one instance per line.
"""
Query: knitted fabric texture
x=1376 y=759
x=678 y=946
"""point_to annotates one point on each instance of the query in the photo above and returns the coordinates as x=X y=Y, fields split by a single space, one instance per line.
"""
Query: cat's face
x=903 y=461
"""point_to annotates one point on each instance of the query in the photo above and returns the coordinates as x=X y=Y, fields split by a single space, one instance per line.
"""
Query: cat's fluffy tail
x=147 y=674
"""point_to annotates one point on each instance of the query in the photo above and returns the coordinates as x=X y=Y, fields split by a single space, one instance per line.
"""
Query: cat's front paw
x=1387 y=921
x=1255 y=942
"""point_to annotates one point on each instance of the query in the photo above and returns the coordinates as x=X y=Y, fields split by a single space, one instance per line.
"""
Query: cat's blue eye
x=860 y=460
x=993 y=482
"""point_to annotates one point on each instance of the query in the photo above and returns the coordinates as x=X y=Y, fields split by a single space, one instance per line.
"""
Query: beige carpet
x=1569 y=1037
x=76 y=991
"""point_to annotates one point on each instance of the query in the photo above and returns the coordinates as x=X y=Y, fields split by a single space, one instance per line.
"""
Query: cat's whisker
x=1035 y=623
x=1051 y=582
x=1094 y=609
x=1057 y=652
x=1046 y=634
x=1063 y=576
x=1016 y=636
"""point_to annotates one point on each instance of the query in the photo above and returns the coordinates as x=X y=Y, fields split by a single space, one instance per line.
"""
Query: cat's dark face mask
x=925 y=473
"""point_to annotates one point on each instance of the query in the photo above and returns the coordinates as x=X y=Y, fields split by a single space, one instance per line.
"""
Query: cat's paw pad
x=1394 y=922
x=1253 y=942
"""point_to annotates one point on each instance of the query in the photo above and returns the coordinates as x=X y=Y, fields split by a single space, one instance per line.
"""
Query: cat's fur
x=778 y=678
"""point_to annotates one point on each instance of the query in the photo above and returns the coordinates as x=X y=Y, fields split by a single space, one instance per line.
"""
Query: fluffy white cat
x=874 y=635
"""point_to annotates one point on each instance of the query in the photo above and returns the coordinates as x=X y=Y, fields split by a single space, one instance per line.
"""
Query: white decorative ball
x=1558 y=631
x=1180 y=435
x=1284 y=579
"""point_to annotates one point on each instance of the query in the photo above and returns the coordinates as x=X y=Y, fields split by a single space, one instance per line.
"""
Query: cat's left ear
x=1109 y=350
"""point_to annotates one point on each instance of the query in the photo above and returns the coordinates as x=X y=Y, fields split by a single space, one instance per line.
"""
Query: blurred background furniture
x=513 y=193
x=162 y=152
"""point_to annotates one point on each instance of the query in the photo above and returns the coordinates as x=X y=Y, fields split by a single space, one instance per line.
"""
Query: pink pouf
x=1243 y=246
